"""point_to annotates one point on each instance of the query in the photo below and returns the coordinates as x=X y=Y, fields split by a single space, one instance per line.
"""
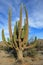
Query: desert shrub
x=25 y=53
x=32 y=52
x=1 y=47
x=11 y=51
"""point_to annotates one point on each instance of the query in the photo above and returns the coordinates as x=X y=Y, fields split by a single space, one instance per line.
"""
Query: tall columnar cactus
x=19 y=37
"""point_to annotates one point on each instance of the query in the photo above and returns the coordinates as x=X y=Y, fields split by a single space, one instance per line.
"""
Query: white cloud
x=36 y=20
x=35 y=24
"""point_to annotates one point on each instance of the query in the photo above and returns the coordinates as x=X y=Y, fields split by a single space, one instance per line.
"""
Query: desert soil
x=6 y=59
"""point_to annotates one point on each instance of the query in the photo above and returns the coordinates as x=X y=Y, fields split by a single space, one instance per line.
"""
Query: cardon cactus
x=19 y=37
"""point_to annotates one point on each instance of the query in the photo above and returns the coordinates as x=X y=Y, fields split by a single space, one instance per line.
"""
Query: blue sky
x=35 y=16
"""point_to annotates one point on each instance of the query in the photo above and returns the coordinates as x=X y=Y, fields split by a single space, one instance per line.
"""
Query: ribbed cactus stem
x=9 y=25
x=3 y=36
x=26 y=24
x=20 y=26
x=26 y=32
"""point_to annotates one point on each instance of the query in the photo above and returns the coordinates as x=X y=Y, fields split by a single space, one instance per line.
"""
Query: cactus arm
x=15 y=30
x=3 y=38
x=15 y=35
x=30 y=46
x=20 y=26
x=23 y=32
x=9 y=25
x=26 y=35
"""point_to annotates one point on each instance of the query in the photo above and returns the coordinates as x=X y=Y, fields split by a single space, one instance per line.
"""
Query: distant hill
x=40 y=42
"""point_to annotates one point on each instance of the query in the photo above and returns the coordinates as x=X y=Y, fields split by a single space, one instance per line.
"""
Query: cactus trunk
x=20 y=54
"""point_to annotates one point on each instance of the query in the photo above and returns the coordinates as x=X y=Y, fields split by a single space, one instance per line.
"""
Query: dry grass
x=5 y=59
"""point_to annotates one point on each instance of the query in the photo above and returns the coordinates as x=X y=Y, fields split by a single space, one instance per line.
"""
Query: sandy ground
x=5 y=59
